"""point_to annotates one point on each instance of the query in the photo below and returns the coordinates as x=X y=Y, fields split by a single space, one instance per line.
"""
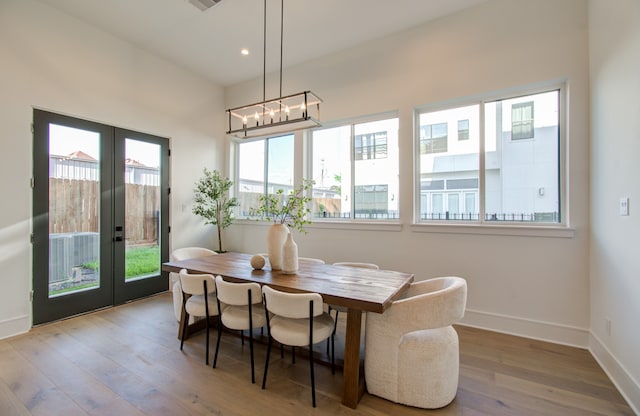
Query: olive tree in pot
x=212 y=201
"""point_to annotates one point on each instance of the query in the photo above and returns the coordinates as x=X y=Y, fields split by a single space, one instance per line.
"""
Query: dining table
x=356 y=289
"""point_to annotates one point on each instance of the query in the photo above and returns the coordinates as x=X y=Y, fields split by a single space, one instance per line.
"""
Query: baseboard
x=15 y=326
x=624 y=382
x=528 y=328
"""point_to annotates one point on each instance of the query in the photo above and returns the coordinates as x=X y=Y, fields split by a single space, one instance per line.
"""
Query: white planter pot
x=276 y=237
x=290 y=256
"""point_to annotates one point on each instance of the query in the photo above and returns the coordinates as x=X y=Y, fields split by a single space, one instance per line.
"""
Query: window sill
x=356 y=225
x=551 y=231
x=448 y=228
x=337 y=225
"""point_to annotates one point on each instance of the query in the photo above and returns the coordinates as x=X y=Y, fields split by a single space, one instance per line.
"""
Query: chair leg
x=293 y=355
x=206 y=357
x=206 y=317
x=215 y=356
x=313 y=379
x=266 y=364
x=185 y=325
x=333 y=355
x=335 y=327
x=250 y=307
x=253 y=376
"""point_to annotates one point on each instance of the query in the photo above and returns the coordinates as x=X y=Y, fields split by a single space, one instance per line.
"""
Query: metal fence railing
x=551 y=217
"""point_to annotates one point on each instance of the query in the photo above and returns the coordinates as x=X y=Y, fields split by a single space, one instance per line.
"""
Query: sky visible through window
x=66 y=140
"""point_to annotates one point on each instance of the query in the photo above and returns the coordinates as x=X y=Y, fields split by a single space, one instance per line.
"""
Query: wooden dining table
x=357 y=289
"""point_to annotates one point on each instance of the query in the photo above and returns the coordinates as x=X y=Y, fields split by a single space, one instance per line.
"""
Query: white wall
x=52 y=61
x=535 y=286
x=615 y=173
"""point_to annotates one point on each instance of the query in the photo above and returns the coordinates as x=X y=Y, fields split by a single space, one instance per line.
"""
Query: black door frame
x=112 y=290
x=125 y=291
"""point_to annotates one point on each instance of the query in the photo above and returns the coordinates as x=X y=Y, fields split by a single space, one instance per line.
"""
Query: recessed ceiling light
x=244 y=51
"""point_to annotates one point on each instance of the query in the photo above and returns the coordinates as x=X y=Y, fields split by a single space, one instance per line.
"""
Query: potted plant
x=212 y=202
x=284 y=211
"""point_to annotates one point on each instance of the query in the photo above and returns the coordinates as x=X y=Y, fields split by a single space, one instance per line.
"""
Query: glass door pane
x=453 y=206
x=142 y=209
x=100 y=215
x=141 y=214
x=74 y=210
x=72 y=214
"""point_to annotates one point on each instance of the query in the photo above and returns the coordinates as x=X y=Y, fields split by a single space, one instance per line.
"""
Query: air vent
x=204 y=5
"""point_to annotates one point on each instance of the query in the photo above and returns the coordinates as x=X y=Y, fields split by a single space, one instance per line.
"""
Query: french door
x=100 y=215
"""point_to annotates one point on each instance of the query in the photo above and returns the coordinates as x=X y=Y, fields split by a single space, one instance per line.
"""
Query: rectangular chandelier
x=279 y=115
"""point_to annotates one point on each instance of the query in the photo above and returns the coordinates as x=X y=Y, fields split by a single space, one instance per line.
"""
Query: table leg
x=353 y=387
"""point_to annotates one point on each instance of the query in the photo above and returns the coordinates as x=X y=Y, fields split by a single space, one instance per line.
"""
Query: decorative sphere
x=257 y=262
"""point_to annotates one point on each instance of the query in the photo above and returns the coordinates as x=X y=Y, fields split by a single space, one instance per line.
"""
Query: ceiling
x=209 y=42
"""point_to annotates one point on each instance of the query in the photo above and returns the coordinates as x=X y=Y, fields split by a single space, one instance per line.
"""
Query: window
x=371 y=146
x=355 y=169
x=463 y=129
x=455 y=186
x=433 y=138
x=371 y=200
x=264 y=167
x=522 y=121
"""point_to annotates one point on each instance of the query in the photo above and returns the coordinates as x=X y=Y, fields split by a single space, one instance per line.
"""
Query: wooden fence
x=74 y=208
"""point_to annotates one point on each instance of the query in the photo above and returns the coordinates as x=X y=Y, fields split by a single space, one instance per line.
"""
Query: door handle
x=118 y=233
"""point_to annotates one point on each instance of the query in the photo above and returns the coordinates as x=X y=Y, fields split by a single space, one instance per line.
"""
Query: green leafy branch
x=292 y=209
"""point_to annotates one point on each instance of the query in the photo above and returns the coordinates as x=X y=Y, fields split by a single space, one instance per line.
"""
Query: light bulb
x=256 y=116
x=271 y=113
x=302 y=106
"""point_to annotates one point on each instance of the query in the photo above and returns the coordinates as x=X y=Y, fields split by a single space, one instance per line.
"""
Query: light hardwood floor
x=126 y=361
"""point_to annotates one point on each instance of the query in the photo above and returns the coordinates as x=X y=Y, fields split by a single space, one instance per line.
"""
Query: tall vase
x=276 y=237
x=290 y=256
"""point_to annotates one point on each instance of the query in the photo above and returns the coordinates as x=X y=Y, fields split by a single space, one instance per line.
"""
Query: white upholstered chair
x=240 y=306
x=310 y=260
x=298 y=320
x=180 y=254
x=198 y=300
x=411 y=350
x=357 y=264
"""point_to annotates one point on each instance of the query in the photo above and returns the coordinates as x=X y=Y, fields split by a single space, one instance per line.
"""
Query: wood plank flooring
x=126 y=361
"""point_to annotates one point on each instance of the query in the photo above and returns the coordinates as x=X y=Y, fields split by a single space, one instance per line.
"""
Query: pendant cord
x=281 y=40
x=264 y=54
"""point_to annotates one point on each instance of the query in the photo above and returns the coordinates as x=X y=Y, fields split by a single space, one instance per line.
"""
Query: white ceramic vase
x=276 y=237
x=290 y=256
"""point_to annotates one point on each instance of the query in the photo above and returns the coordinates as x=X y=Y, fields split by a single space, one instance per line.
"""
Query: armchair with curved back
x=180 y=254
x=412 y=350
